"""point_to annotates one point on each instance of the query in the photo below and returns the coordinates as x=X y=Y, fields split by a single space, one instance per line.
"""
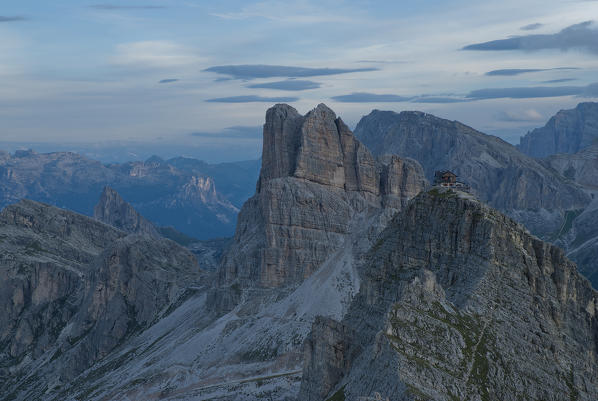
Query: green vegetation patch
x=442 y=194
x=338 y=396
x=570 y=216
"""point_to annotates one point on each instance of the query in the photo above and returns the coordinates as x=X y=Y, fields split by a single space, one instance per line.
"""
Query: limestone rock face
x=73 y=289
x=316 y=181
x=459 y=302
x=497 y=172
x=569 y=131
x=112 y=209
x=581 y=167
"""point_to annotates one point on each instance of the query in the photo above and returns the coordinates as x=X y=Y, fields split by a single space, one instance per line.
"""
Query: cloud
x=251 y=71
x=365 y=97
x=534 y=92
x=238 y=131
x=12 y=19
x=513 y=71
x=517 y=71
x=252 y=98
x=520 y=116
x=556 y=81
x=532 y=27
x=288 y=85
x=124 y=7
x=579 y=36
x=153 y=54
x=438 y=99
x=168 y=80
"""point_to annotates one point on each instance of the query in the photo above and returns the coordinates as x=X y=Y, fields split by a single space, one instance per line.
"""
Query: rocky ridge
x=458 y=301
x=569 y=131
x=73 y=291
x=499 y=174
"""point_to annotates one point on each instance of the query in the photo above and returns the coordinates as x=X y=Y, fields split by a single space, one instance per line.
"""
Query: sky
x=198 y=76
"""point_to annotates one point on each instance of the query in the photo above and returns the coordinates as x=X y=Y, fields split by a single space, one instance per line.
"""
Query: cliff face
x=569 y=131
x=459 y=302
x=316 y=182
x=581 y=167
x=73 y=290
x=498 y=173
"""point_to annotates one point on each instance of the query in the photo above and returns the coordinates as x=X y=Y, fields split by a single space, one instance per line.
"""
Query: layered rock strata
x=316 y=181
x=458 y=301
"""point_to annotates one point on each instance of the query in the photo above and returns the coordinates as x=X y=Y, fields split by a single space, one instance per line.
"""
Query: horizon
x=200 y=77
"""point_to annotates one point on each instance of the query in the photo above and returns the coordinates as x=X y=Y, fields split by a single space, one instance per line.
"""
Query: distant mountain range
x=197 y=198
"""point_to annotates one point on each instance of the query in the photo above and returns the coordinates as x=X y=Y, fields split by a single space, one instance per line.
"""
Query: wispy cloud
x=153 y=54
x=520 y=115
x=513 y=71
x=106 y=6
x=582 y=36
x=517 y=71
x=252 y=71
x=438 y=99
x=238 y=131
x=4 y=18
x=532 y=27
x=288 y=85
x=560 y=80
x=252 y=99
x=365 y=97
x=534 y=92
x=168 y=80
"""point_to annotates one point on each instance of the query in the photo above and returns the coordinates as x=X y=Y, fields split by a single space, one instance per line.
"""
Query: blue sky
x=184 y=72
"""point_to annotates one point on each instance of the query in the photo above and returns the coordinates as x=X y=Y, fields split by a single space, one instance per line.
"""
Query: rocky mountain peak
x=112 y=209
x=316 y=182
x=568 y=131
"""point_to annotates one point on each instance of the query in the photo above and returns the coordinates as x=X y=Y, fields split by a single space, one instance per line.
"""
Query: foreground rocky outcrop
x=457 y=301
x=498 y=173
x=317 y=187
x=73 y=291
x=569 y=131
